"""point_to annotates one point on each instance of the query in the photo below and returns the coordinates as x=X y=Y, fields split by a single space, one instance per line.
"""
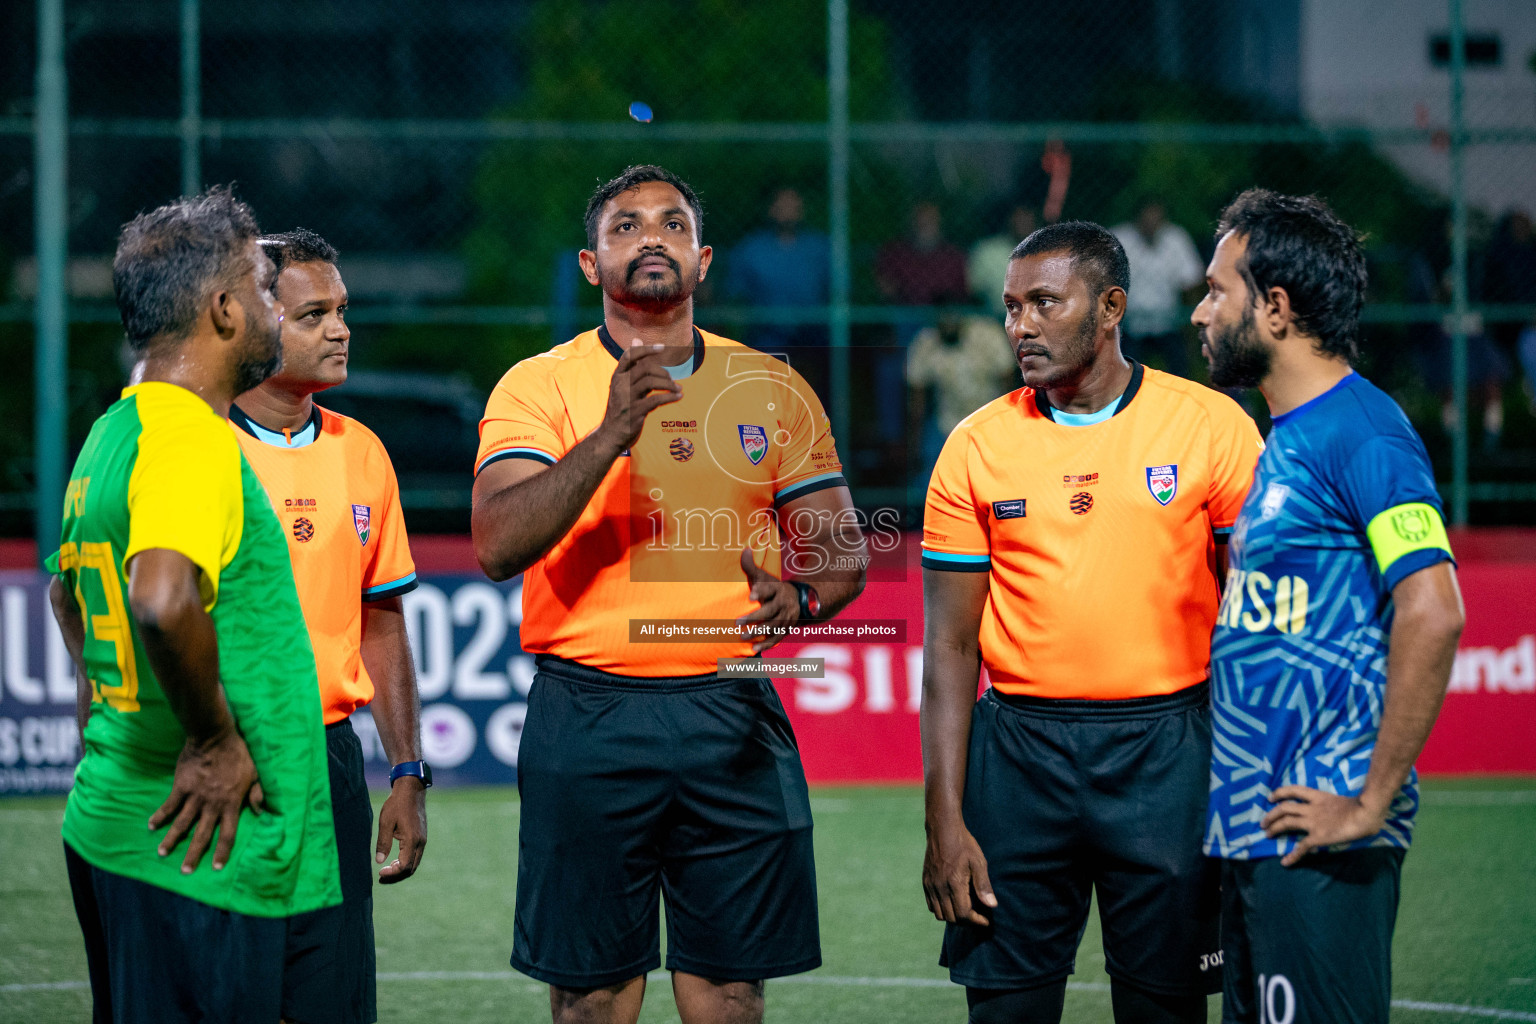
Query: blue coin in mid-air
x=641 y=112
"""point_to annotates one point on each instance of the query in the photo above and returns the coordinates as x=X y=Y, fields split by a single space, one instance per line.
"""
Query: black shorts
x=329 y=968
x=1070 y=796
x=689 y=787
x=1318 y=935
x=158 y=957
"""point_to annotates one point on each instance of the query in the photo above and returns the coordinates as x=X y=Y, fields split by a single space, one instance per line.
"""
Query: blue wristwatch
x=420 y=769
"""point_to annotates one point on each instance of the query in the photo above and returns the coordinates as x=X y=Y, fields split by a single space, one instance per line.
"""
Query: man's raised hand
x=640 y=383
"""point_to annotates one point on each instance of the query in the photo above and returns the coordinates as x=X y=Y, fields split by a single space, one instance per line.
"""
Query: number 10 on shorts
x=1277 y=1000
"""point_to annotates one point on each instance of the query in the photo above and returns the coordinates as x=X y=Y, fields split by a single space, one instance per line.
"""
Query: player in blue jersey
x=1338 y=626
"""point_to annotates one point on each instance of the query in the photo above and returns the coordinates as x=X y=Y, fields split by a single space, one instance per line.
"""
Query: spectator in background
x=1511 y=267
x=966 y=362
x=1164 y=265
x=1430 y=281
x=1511 y=278
x=921 y=270
x=987 y=265
x=924 y=269
x=782 y=264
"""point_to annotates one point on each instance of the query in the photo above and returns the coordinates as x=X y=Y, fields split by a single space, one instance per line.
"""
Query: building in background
x=1400 y=80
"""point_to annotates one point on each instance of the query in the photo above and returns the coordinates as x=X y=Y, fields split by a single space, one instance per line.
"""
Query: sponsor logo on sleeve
x=681 y=449
x=1082 y=501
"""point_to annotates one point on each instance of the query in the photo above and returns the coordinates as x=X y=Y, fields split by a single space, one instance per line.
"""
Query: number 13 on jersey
x=113 y=626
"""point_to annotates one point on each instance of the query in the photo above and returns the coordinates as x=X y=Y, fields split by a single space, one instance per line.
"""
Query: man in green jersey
x=198 y=699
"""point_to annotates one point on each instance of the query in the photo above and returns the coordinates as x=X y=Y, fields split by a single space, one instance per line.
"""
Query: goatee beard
x=651 y=296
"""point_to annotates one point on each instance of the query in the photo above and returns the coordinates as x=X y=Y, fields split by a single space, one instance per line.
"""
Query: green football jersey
x=161 y=469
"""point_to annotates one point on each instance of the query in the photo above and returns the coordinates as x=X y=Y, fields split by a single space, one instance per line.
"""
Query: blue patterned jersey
x=1343 y=507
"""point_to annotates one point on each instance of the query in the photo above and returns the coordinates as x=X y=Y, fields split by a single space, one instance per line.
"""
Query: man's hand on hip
x=1323 y=819
x=214 y=781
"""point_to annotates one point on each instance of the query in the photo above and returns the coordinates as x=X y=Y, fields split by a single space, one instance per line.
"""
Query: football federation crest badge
x=361 y=516
x=681 y=449
x=754 y=441
x=1163 y=482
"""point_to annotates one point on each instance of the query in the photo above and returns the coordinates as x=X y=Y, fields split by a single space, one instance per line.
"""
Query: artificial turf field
x=1465 y=947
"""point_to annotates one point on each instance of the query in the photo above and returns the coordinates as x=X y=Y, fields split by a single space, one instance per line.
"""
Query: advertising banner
x=39 y=741
x=472 y=676
x=1489 y=720
x=856 y=718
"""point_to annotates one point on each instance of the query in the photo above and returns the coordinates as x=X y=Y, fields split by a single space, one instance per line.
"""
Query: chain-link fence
x=865 y=166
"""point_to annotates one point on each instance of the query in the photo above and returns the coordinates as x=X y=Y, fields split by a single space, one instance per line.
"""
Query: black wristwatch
x=810 y=601
x=420 y=769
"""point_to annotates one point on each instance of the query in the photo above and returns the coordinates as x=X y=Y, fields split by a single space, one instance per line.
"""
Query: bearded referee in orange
x=335 y=494
x=1073 y=538
x=640 y=474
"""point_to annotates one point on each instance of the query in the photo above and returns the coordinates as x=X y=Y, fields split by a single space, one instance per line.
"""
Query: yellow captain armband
x=1404 y=529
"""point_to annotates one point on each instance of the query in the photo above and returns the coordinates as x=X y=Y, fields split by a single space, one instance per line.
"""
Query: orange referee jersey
x=333 y=488
x=661 y=537
x=1098 y=540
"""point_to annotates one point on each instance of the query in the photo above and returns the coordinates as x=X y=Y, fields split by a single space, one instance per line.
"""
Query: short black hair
x=1096 y=253
x=1299 y=244
x=300 y=245
x=168 y=259
x=639 y=174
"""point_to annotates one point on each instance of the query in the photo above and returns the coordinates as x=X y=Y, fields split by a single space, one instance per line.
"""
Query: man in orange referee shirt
x=643 y=475
x=1072 y=542
x=334 y=491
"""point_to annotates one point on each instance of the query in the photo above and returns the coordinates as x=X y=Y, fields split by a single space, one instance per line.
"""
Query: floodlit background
x=865 y=167
x=447 y=149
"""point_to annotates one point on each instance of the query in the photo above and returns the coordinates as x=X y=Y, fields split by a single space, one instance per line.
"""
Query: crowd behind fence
x=865 y=167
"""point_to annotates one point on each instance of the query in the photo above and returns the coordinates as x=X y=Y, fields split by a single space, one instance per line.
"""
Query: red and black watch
x=810 y=601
